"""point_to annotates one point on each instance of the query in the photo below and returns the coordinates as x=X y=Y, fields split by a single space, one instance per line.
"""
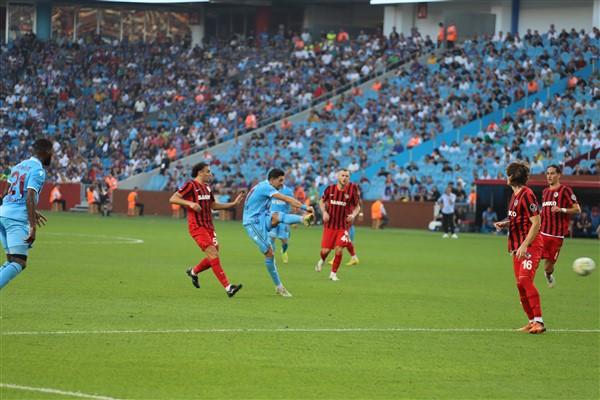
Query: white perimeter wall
x=565 y=14
x=534 y=14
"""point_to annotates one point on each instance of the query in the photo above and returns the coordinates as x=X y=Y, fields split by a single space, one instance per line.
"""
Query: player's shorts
x=259 y=232
x=13 y=234
x=351 y=233
x=333 y=238
x=205 y=237
x=528 y=266
x=281 y=231
x=552 y=246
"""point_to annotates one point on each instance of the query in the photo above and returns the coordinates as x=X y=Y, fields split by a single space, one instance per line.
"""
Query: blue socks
x=272 y=268
x=8 y=272
x=284 y=247
x=290 y=219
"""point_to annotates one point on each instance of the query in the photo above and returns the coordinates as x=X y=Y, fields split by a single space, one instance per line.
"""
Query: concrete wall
x=319 y=18
x=539 y=15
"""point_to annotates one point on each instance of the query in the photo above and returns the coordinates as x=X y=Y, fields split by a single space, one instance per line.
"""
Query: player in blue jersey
x=259 y=219
x=281 y=231
x=18 y=214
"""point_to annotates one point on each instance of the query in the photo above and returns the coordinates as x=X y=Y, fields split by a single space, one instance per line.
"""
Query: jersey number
x=18 y=183
x=527 y=264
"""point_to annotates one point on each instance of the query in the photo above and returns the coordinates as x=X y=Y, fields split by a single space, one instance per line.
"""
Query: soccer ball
x=584 y=266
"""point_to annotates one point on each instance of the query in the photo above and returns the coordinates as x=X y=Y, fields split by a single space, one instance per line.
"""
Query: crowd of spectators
x=126 y=107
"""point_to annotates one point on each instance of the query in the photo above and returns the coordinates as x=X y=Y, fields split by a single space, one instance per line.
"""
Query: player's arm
x=574 y=209
x=32 y=214
x=502 y=224
x=324 y=212
x=178 y=199
x=536 y=223
x=292 y=202
x=225 y=206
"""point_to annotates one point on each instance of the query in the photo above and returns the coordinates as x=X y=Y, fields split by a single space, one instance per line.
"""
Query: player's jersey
x=202 y=194
x=339 y=204
x=28 y=174
x=522 y=206
x=556 y=224
x=258 y=202
x=280 y=205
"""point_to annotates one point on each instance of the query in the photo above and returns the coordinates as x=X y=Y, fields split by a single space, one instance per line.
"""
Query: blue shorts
x=351 y=233
x=259 y=232
x=13 y=234
x=281 y=231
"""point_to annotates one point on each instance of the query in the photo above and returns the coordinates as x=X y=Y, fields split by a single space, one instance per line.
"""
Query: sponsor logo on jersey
x=337 y=203
x=533 y=207
x=516 y=202
x=204 y=197
x=573 y=197
x=548 y=203
x=555 y=194
x=512 y=213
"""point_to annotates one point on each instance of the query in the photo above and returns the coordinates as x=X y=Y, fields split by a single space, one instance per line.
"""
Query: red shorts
x=333 y=238
x=552 y=247
x=528 y=266
x=205 y=238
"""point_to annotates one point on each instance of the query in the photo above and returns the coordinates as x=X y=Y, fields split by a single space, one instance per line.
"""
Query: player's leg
x=453 y=227
x=13 y=234
x=283 y=233
x=522 y=294
x=291 y=219
x=525 y=282
x=212 y=253
x=350 y=247
x=337 y=259
x=550 y=253
x=327 y=243
x=445 y=225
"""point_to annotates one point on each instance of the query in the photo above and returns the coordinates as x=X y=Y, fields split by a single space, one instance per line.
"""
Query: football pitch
x=105 y=311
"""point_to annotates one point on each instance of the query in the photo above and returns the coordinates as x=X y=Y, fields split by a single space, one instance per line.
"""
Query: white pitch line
x=56 y=391
x=282 y=330
x=111 y=239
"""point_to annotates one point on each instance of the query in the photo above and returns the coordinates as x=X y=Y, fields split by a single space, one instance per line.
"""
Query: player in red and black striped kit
x=558 y=204
x=524 y=243
x=339 y=205
x=198 y=197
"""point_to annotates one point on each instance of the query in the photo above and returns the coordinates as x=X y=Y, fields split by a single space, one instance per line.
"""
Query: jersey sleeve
x=186 y=189
x=270 y=190
x=36 y=180
x=531 y=204
x=326 y=193
x=569 y=197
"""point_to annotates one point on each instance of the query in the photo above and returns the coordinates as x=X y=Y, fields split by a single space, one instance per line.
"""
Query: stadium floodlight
x=380 y=2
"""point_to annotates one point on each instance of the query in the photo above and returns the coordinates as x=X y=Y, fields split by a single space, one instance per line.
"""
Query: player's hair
x=42 y=145
x=275 y=173
x=518 y=173
x=197 y=168
x=343 y=170
x=556 y=167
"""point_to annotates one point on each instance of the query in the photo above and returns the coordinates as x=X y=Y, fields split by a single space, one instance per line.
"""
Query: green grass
x=406 y=279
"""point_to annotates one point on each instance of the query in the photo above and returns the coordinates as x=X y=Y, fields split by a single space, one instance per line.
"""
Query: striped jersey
x=522 y=206
x=199 y=193
x=556 y=223
x=339 y=204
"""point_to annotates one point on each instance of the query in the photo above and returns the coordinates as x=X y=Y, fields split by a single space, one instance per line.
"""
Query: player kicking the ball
x=259 y=219
x=558 y=204
x=339 y=205
x=524 y=243
x=197 y=196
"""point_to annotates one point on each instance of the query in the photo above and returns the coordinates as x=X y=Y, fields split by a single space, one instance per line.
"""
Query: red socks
x=336 y=262
x=215 y=264
x=530 y=297
x=203 y=266
x=351 y=249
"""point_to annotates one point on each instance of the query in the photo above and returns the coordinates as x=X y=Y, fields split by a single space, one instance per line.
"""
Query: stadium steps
x=80 y=208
